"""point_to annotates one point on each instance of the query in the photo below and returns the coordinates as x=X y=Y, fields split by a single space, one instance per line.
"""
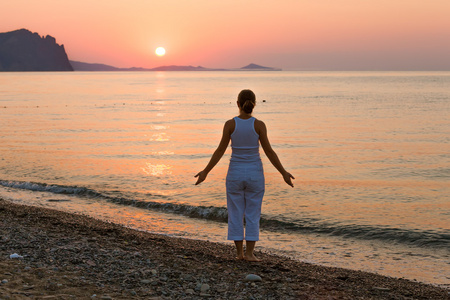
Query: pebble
x=381 y=289
x=145 y=281
x=5 y=281
x=189 y=291
x=204 y=288
x=27 y=287
x=15 y=255
x=187 y=278
x=253 y=277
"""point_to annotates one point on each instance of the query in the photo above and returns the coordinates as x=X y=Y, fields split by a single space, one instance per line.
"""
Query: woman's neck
x=244 y=115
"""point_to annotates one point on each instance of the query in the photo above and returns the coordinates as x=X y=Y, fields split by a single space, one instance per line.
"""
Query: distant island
x=23 y=50
x=82 y=66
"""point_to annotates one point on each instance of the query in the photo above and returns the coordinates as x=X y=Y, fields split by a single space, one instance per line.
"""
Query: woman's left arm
x=261 y=129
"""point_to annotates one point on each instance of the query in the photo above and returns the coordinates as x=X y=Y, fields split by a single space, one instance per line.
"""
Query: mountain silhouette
x=82 y=66
x=22 y=50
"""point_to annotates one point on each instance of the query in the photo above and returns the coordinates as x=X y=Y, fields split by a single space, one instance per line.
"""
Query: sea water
x=369 y=151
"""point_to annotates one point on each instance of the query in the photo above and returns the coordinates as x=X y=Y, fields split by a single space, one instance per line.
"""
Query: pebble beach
x=49 y=254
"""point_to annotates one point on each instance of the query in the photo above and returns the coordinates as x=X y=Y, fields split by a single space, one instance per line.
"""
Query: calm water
x=369 y=150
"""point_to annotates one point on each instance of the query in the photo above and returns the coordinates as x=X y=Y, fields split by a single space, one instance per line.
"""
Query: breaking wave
x=420 y=238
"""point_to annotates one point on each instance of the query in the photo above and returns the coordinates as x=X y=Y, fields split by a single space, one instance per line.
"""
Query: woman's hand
x=287 y=178
x=201 y=177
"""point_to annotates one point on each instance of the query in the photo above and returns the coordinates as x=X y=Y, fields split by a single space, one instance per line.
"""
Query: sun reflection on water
x=159 y=137
x=158 y=127
x=157 y=169
x=162 y=153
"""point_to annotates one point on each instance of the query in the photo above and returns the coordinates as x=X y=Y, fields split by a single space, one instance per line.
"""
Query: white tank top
x=244 y=141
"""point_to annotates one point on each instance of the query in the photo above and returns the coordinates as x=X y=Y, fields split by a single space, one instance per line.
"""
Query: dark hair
x=247 y=100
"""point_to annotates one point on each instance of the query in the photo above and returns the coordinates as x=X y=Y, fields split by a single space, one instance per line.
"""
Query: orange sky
x=290 y=34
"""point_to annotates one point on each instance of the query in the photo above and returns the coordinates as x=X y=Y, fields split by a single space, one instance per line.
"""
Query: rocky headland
x=23 y=50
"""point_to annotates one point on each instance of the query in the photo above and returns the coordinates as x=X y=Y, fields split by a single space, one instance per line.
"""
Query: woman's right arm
x=228 y=129
x=271 y=155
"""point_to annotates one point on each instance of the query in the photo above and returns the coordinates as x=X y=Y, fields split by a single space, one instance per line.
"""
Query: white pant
x=245 y=191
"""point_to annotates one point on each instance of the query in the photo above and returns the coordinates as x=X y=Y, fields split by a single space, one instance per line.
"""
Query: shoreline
x=67 y=256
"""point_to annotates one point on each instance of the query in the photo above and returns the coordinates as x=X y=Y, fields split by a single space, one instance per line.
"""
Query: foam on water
x=219 y=214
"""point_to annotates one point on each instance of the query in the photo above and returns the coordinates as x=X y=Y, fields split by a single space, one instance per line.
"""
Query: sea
x=370 y=153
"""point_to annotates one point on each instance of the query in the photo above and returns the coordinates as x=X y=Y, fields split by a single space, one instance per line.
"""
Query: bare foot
x=239 y=250
x=251 y=258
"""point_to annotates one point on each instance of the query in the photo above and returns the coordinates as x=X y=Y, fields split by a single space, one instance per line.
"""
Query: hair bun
x=248 y=106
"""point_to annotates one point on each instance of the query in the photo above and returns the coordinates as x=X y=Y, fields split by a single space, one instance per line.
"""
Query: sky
x=288 y=34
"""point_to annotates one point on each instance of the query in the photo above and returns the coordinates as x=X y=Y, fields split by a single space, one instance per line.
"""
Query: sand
x=68 y=256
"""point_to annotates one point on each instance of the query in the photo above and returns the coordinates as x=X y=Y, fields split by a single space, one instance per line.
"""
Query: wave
x=420 y=238
x=52 y=188
x=200 y=212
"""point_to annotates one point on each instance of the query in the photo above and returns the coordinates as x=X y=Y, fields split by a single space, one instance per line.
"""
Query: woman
x=245 y=177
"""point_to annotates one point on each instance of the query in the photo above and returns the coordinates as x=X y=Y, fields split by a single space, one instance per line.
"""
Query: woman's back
x=244 y=141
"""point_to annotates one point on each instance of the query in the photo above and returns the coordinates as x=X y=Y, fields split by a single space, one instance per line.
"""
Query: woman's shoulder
x=259 y=126
x=230 y=125
x=230 y=122
x=259 y=123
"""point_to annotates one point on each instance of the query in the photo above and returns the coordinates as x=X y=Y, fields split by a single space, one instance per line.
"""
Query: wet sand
x=67 y=256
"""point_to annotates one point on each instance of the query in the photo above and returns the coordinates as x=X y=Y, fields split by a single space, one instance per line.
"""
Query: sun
x=160 y=51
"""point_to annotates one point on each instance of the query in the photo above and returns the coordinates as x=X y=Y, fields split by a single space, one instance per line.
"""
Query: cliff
x=22 y=50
